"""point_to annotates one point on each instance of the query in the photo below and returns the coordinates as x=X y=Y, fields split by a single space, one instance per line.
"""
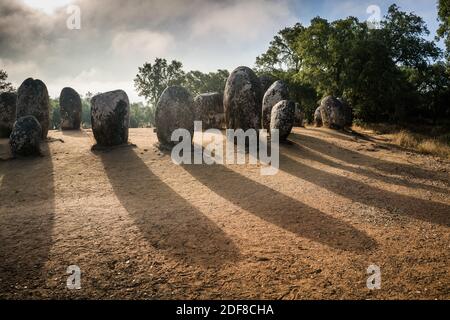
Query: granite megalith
x=25 y=137
x=33 y=100
x=70 y=109
x=242 y=100
x=110 y=118
x=174 y=110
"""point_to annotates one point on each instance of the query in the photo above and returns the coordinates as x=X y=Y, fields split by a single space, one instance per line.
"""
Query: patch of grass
x=426 y=140
x=405 y=139
x=422 y=144
x=434 y=147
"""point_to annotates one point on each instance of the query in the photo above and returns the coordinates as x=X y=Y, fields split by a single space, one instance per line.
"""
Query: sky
x=117 y=36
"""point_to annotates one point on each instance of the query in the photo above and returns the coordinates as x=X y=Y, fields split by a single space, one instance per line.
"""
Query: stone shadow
x=27 y=197
x=168 y=221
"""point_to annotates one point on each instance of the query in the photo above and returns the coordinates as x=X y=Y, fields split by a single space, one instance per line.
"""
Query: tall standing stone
x=33 y=100
x=333 y=113
x=277 y=92
x=25 y=137
x=174 y=110
x=266 y=81
x=70 y=109
x=209 y=110
x=282 y=118
x=242 y=100
x=8 y=101
x=110 y=117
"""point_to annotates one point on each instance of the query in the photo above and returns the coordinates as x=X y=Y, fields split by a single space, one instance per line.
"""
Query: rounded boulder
x=266 y=81
x=110 y=118
x=242 y=100
x=174 y=110
x=333 y=113
x=282 y=118
x=33 y=100
x=277 y=92
x=70 y=109
x=208 y=108
x=25 y=137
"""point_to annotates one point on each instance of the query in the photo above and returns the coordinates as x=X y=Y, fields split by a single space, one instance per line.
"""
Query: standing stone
x=33 y=100
x=299 y=115
x=242 y=100
x=208 y=109
x=25 y=137
x=110 y=118
x=277 y=92
x=8 y=101
x=70 y=109
x=174 y=110
x=333 y=113
x=318 y=117
x=266 y=81
x=282 y=118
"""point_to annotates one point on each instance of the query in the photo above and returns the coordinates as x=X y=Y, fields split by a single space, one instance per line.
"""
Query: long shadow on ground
x=354 y=158
x=357 y=158
x=281 y=210
x=27 y=198
x=168 y=222
x=429 y=211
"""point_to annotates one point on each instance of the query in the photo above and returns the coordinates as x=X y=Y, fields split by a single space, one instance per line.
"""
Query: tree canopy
x=5 y=86
x=369 y=67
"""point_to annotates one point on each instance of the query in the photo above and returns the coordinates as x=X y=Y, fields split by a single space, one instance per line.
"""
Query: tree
x=433 y=87
x=366 y=67
x=141 y=116
x=198 y=82
x=281 y=55
x=152 y=79
x=55 y=114
x=403 y=33
x=5 y=86
x=86 y=110
x=444 y=27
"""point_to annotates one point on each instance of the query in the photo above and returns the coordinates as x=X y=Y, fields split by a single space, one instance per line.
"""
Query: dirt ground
x=141 y=227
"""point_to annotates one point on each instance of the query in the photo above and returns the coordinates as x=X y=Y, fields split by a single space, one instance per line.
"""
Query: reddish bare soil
x=141 y=227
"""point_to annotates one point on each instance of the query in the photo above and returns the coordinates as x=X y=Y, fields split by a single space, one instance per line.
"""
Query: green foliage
x=152 y=79
x=198 y=82
x=86 y=110
x=141 y=116
x=55 y=115
x=403 y=33
x=369 y=68
x=444 y=27
x=5 y=86
x=433 y=87
x=281 y=54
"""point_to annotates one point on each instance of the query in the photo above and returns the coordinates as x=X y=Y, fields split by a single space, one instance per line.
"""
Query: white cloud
x=48 y=6
x=142 y=43
x=118 y=36
x=243 y=21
